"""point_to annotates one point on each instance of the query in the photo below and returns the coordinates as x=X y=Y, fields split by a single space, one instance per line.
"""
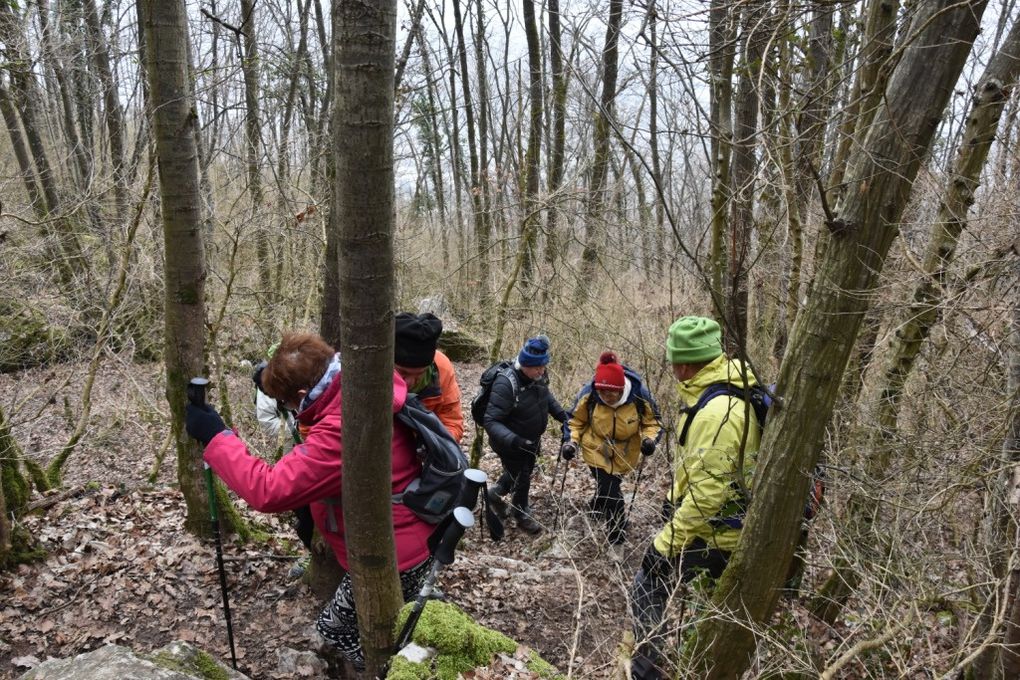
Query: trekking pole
x=563 y=484
x=637 y=483
x=196 y=395
x=463 y=520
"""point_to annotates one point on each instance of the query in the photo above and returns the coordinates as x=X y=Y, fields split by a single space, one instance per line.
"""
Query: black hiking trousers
x=608 y=503
x=653 y=585
x=516 y=477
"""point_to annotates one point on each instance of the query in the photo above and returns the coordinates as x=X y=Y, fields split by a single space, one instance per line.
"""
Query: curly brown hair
x=298 y=363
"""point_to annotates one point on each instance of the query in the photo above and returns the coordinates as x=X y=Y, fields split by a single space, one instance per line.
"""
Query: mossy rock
x=461 y=645
x=27 y=339
x=461 y=347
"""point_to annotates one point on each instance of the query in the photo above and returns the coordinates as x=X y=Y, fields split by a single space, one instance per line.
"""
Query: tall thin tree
x=365 y=44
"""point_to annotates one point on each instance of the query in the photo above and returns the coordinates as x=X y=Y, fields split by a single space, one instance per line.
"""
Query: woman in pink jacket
x=304 y=375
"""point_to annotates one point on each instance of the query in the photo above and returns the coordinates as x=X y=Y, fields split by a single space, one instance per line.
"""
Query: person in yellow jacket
x=713 y=466
x=615 y=421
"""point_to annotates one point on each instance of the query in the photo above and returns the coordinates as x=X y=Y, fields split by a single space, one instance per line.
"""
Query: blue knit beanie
x=535 y=352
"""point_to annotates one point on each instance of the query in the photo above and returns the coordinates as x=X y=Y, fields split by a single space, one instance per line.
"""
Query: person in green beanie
x=702 y=508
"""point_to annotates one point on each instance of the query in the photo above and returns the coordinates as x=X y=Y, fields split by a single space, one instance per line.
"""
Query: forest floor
x=121 y=569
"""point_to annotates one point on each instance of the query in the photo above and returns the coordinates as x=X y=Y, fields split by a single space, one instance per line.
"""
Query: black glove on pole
x=196 y=395
x=463 y=520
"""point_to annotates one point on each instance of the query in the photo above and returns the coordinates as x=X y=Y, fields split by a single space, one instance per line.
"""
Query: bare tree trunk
x=558 y=134
x=873 y=68
x=82 y=164
x=174 y=120
x=111 y=103
x=253 y=144
x=481 y=225
x=27 y=170
x=485 y=182
x=529 y=223
x=657 y=258
x=809 y=120
x=882 y=173
x=593 y=228
x=363 y=145
x=71 y=263
x=754 y=35
x=722 y=33
x=1009 y=485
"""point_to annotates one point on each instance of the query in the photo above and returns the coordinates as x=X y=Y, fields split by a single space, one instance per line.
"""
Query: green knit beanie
x=693 y=340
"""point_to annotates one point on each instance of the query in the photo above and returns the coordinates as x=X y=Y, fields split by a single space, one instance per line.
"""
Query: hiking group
x=614 y=423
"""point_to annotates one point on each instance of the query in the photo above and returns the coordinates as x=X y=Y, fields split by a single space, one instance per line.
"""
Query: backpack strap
x=711 y=392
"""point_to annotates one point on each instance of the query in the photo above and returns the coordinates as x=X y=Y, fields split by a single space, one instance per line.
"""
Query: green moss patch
x=461 y=645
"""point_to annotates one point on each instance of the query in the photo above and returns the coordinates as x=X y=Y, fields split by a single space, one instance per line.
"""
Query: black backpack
x=481 y=401
x=760 y=400
x=433 y=494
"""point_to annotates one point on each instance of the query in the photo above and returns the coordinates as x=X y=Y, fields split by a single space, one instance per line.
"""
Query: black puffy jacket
x=512 y=418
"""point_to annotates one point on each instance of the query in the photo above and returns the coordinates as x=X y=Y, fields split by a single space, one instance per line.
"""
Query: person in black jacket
x=520 y=404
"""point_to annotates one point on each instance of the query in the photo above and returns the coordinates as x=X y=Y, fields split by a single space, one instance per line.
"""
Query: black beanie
x=416 y=338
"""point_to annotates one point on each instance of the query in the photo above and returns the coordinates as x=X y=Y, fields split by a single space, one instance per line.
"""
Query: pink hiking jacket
x=310 y=474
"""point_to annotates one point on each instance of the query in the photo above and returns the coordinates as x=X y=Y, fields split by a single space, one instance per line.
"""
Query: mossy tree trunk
x=174 y=118
x=365 y=43
x=14 y=490
x=881 y=174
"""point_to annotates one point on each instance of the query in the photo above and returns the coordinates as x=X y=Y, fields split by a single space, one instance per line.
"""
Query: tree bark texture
x=722 y=32
x=253 y=143
x=174 y=121
x=365 y=44
x=529 y=223
x=112 y=113
x=481 y=225
x=593 y=229
x=880 y=177
x=558 y=135
x=755 y=34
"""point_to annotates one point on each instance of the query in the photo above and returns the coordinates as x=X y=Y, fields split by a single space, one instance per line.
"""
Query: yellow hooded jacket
x=707 y=466
x=612 y=439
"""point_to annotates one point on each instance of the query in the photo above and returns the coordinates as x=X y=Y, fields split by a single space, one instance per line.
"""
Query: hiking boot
x=527 y=524
x=498 y=505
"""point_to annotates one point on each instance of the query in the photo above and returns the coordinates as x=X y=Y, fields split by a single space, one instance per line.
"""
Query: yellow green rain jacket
x=706 y=483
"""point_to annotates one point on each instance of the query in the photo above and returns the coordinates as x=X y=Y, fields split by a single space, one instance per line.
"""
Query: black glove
x=668 y=510
x=527 y=447
x=304 y=525
x=568 y=451
x=647 y=446
x=256 y=377
x=203 y=423
x=656 y=565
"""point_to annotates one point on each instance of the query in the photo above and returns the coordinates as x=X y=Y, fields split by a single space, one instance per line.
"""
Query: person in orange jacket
x=426 y=370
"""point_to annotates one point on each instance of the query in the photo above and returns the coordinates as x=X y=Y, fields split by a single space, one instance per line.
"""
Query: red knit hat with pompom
x=609 y=373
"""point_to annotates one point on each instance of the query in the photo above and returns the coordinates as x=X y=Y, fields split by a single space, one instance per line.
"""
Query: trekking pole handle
x=463 y=520
x=474 y=480
x=196 y=390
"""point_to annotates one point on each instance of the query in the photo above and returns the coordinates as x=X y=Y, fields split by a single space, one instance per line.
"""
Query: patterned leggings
x=338 y=622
